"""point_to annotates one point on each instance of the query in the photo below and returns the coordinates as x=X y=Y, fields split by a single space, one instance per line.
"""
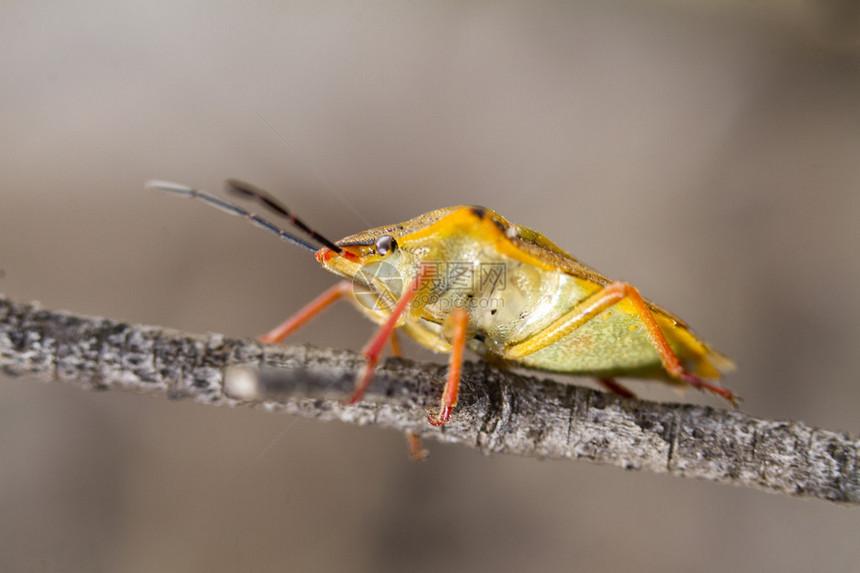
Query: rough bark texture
x=499 y=411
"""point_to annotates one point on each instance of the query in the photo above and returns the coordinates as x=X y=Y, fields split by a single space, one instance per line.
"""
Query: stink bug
x=466 y=276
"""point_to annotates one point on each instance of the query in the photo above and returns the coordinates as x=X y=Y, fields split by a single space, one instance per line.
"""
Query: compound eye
x=385 y=244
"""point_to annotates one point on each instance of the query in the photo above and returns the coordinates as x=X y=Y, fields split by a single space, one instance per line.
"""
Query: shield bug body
x=466 y=277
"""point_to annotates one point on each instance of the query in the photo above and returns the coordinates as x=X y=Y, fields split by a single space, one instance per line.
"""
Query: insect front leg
x=313 y=308
x=373 y=349
x=612 y=294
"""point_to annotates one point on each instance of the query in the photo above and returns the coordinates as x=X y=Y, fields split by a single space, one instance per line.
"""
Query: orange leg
x=460 y=322
x=310 y=310
x=618 y=291
x=669 y=358
x=396 y=350
x=416 y=452
x=609 y=295
x=374 y=347
x=697 y=382
x=616 y=388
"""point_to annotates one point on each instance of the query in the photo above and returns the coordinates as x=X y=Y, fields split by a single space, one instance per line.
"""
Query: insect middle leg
x=610 y=295
x=460 y=322
x=413 y=440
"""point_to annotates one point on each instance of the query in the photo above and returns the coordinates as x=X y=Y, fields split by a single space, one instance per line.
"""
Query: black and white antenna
x=253 y=192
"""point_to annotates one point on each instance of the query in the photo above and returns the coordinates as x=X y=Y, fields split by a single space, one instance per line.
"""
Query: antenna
x=227 y=207
x=253 y=192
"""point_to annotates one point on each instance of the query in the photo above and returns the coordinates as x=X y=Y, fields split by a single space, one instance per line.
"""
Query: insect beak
x=324 y=255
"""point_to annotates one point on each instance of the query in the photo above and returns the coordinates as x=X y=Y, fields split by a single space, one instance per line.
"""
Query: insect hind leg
x=697 y=382
x=608 y=296
x=616 y=388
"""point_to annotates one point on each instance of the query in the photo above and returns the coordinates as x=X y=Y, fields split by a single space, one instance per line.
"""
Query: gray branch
x=499 y=411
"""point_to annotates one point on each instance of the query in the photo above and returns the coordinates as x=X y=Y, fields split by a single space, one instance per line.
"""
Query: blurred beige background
x=711 y=156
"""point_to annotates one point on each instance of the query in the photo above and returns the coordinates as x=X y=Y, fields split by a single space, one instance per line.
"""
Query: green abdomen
x=615 y=342
x=612 y=344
